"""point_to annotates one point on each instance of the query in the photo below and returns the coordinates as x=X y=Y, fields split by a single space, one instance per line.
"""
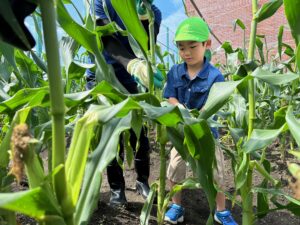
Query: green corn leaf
x=295 y=153
x=261 y=138
x=28 y=69
x=8 y=217
x=279 y=118
x=192 y=143
x=168 y=116
x=145 y=214
x=204 y=143
x=239 y=23
x=262 y=204
x=86 y=38
x=201 y=166
x=104 y=88
x=227 y=47
x=34 y=203
x=68 y=49
x=9 y=53
x=3 y=95
x=240 y=110
x=298 y=57
x=262 y=198
x=22 y=97
x=177 y=139
x=126 y=9
x=84 y=130
x=279 y=38
x=272 y=78
x=294 y=170
x=39 y=62
x=293 y=124
x=260 y=48
x=265 y=173
x=241 y=175
x=216 y=98
x=99 y=159
x=128 y=148
x=293 y=205
x=292 y=14
x=268 y=10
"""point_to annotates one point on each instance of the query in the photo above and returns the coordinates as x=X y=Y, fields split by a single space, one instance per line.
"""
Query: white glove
x=138 y=68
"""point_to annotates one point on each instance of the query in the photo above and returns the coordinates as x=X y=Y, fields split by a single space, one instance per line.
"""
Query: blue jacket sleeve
x=157 y=14
x=170 y=90
x=99 y=11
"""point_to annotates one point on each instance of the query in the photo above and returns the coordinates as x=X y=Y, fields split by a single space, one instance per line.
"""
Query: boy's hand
x=141 y=9
x=138 y=68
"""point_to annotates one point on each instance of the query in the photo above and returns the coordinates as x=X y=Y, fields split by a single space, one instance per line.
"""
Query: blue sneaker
x=224 y=217
x=174 y=214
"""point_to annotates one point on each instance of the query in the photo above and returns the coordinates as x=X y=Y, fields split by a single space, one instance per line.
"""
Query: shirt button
x=189 y=89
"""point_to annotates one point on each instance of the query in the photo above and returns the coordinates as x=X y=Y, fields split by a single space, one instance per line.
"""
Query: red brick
x=221 y=14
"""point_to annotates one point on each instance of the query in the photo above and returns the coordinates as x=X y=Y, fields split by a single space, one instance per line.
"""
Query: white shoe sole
x=180 y=220
x=217 y=220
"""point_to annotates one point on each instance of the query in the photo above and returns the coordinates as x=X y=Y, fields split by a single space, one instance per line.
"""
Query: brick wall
x=221 y=14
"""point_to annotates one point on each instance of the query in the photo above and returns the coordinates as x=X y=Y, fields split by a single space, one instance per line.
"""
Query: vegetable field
x=58 y=137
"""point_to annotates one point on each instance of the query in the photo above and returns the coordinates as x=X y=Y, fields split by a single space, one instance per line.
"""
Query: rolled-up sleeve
x=157 y=14
x=100 y=13
x=170 y=90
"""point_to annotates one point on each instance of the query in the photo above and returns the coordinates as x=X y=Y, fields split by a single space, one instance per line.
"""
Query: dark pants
x=141 y=161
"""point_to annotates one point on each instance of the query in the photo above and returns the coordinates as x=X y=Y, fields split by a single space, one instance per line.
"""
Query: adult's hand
x=141 y=9
x=138 y=68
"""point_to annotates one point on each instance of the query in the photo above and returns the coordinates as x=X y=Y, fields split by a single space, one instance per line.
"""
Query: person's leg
x=176 y=173
x=141 y=162
x=176 y=199
x=220 y=201
x=116 y=180
x=219 y=178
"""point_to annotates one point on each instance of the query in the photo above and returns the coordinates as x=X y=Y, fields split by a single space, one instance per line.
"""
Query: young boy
x=188 y=85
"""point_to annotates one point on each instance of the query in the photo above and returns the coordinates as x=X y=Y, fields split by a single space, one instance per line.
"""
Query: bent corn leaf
x=293 y=124
x=273 y=78
x=291 y=8
x=126 y=9
x=268 y=10
x=33 y=203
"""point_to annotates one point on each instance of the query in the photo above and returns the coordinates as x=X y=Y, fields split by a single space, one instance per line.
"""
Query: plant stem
x=10 y=217
x=247 y=199
x=162 y=177
x=57 y=107
x=152 y=48
x=246 y=194
x=251 y=54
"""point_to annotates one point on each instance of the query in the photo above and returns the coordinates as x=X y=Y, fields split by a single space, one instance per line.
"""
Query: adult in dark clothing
x=119 y=54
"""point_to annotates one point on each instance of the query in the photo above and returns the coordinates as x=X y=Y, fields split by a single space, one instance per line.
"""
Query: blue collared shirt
x=192 y=93
x=100 y=13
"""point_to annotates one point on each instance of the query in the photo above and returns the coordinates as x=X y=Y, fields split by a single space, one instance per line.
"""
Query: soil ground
x=194 y=201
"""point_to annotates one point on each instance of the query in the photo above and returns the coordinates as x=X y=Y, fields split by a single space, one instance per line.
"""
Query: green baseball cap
x=192 y=29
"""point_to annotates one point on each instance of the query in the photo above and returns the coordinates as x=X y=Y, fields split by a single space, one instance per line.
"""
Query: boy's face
x=192 y=52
